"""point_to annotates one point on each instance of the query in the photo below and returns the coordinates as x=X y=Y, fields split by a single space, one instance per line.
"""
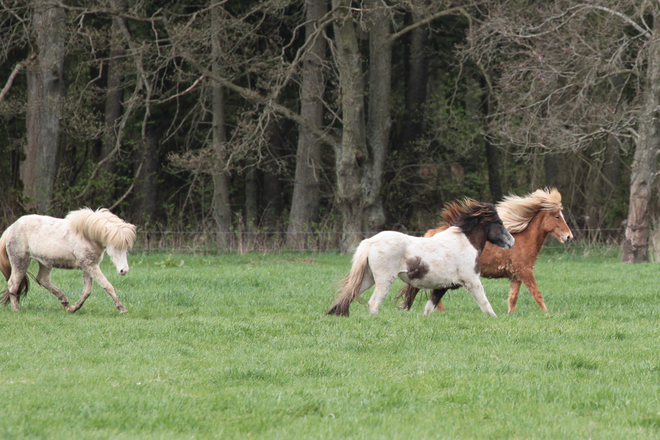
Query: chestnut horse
x=448 y=258
x=529 y=219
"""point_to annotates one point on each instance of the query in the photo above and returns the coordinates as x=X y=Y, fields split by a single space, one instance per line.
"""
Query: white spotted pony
x=78 y=241
x=447 y=260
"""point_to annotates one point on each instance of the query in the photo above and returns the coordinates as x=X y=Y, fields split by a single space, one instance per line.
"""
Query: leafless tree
x=570 y=76
x=46 y=90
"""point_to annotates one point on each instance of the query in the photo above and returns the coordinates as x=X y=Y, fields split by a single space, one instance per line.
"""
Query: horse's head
x=479 y=221
x=119 y=258
x=499 y=236
x=555 y=224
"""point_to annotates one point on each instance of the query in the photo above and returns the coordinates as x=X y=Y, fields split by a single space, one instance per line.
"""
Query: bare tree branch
x=20 y=66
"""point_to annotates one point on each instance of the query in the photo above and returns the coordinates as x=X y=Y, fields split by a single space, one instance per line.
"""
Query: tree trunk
x=306 y=189
x=251 y=201
x=494 y=180
x=46 y=90
x=113 y=100
x=416 y=86
x=221 y=208
x=492 y=151
x=552 y=167
x=147 y=185
x=350 y=155
x=644 y=166
x=378 y=122
x=271 y=195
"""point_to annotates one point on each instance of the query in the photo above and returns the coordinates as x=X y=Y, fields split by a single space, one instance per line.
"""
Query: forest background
x=317 y=122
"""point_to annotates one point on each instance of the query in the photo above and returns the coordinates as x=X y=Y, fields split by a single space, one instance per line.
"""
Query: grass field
x=236 y=346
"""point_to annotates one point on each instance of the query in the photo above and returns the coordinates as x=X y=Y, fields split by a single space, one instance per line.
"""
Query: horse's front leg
x=87 y=290
x=97 y=275
x=43 y=278
x=477 y=290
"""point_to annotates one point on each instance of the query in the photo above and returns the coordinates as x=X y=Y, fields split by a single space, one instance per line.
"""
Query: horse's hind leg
x=43 y=278
x=434 y=300
x=97 y=275
x=514 y=290
x=530 y=281
x=380 y=291
x=87 y=290
x=408 y=293
x=19 y=268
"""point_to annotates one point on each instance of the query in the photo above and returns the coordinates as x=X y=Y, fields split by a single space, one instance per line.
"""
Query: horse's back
x=438 y=261
x=41 y=237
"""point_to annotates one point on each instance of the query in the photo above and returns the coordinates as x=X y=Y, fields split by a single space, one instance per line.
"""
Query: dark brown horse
x=529 y=219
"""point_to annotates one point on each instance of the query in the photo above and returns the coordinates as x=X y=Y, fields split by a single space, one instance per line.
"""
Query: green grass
x=236 y=346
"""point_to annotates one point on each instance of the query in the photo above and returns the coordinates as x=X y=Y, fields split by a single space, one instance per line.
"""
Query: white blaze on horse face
x=119 y=259
x=562 y=235
x=568 y=236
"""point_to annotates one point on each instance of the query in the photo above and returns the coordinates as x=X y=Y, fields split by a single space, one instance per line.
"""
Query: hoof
x=122 y=311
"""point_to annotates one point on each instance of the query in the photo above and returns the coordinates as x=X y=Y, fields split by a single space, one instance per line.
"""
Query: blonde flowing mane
x=516 y=212
x=103 y=227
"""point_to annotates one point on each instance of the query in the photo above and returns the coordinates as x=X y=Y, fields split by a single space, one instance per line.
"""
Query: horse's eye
x=557 y=217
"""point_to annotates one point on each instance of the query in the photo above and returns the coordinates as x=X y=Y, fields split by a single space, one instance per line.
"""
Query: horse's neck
x=534 y=236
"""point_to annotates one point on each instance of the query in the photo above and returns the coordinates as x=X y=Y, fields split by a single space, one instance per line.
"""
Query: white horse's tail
x=350 y=286
x=5 y=268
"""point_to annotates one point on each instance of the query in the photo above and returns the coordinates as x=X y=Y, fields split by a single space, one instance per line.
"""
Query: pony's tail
x=5 y=268
x=408 y=293
x=350 y=286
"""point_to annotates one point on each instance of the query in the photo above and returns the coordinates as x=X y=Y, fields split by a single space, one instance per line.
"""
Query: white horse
x=78 y=241
x=447 y=260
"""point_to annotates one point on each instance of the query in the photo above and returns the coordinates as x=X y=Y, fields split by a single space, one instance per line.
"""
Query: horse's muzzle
x=565 y=238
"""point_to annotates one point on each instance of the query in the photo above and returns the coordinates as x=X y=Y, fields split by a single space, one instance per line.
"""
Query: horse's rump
x=5 y=268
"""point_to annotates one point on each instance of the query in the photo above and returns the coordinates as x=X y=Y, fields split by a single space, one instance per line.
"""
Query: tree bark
x=46 y=90
x=378 y=118
x=251 y=201
x=306 y=189
x=271 y=195
x=552 y=167
x=492 y=151
x=114 y=96
x=350 y=155
x=416 y=86
x=645 y=163
x=146 y=188
x=113 y=105
x=221 y=208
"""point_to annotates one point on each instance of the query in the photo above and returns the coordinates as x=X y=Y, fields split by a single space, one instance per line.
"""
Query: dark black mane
x=468 y=214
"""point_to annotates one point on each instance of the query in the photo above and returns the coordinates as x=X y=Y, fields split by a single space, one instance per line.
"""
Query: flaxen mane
x=102 y=226
x=516 y=212
x=465 y=215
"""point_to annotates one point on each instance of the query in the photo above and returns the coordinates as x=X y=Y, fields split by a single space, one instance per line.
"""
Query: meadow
x=237 y=346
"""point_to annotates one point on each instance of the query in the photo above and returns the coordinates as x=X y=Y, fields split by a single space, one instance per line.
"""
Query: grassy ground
x=236 y=346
